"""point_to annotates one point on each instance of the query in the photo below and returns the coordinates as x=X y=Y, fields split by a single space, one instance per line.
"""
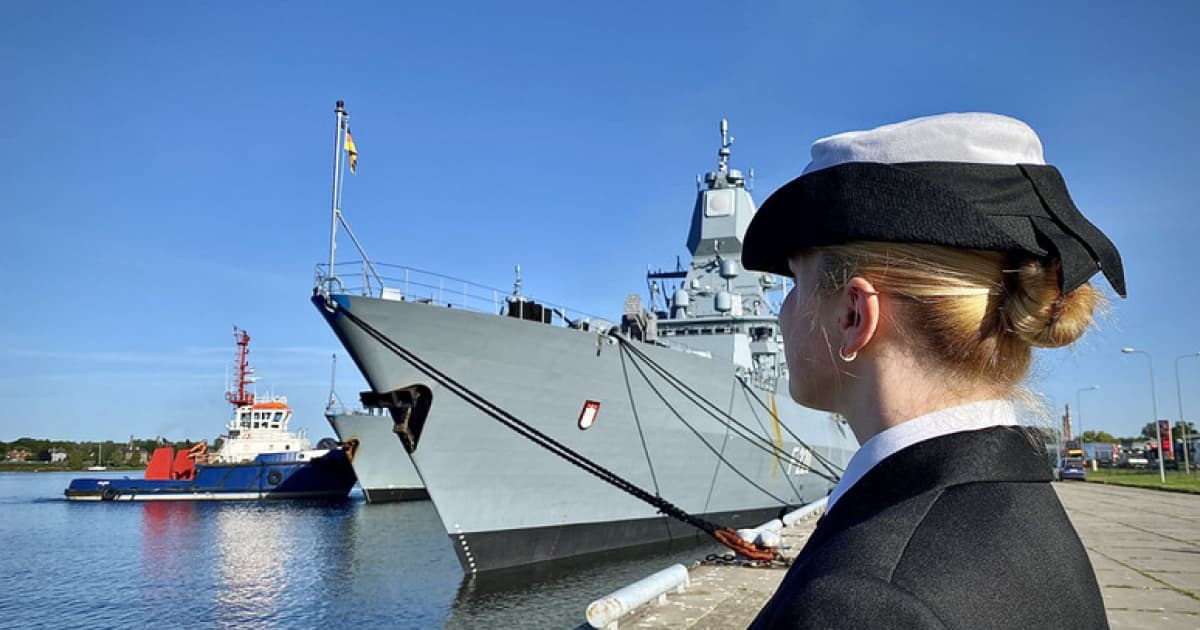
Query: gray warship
x=382 y=466
x=676 y=397
x=385 y=472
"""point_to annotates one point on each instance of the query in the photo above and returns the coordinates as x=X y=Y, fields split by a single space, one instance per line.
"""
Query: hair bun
x=1036 y=312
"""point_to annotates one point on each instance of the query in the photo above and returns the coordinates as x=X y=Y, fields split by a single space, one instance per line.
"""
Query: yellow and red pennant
x=352 y=150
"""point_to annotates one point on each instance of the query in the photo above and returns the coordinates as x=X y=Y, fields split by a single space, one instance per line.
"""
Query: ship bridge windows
x=717 y=330
x=763 y=333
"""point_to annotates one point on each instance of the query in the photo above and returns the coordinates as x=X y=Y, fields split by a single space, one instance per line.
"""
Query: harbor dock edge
x=1142 y=544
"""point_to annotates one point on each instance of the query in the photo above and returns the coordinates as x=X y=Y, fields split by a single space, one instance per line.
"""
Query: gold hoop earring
x=847 y=357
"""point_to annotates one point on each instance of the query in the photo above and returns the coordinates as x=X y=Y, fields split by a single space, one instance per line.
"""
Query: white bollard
x=791 y=518
x=767 y=534
x=604 y=612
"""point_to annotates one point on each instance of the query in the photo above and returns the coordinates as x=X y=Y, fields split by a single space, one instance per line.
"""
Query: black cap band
x=1011 y=208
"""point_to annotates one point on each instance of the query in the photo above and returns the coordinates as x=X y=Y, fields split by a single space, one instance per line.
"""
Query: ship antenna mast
x=726 y=142
x=242 y=373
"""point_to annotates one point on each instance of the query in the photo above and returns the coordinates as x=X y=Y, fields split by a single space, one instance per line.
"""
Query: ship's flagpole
x=340 y=110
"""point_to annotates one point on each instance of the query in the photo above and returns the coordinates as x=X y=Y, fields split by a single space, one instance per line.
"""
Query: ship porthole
x=274 y=477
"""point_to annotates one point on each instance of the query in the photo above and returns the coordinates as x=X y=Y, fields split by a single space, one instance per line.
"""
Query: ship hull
x=507 y=502
x=269 y=476
x=385 y=472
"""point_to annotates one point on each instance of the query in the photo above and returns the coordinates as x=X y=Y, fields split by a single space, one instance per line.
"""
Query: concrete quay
x=1144 y=545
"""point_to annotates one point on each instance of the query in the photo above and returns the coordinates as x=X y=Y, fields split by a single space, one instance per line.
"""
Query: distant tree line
x=1148 y=431
x=1147 y=434
x=129 y=454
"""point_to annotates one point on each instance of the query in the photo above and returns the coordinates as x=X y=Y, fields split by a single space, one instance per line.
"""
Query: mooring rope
x=723 y=535
x=715 y=411
x=703 y=441
x=637 y=421
x=834 y=470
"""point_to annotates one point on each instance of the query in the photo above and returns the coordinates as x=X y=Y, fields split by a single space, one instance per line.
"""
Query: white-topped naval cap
x=974 y=138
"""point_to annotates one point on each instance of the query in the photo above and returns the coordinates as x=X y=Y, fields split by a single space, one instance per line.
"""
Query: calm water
x=277 y=564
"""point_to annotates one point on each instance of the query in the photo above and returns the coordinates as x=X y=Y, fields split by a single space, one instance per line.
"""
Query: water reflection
x=168 y=550
x=557 y=594
x=252 y=561
x=402 y=571
x=273 y=559
x=271 y=564
x=165 y=528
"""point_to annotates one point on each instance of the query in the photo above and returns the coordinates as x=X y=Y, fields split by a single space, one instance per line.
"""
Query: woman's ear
x=860 y=317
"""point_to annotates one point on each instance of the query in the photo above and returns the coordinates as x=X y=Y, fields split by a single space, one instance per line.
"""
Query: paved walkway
x=1144 y=545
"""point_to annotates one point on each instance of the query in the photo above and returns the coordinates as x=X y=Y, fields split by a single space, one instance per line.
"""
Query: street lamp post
x=1162 y=473
x=1079 y=417
x=1183 y=423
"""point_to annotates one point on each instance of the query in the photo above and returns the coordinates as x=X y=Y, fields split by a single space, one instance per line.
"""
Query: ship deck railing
x=400 y=282
x=340 y=409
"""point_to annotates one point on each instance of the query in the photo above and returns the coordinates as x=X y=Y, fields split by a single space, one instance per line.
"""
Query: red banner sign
x=1168 y=445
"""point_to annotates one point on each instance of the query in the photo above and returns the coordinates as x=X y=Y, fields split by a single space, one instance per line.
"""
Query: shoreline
x=1144 y=569
x=34 y=468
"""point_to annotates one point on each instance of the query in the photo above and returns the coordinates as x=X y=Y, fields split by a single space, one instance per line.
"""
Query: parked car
x=1072 y=468
x=1135 y=458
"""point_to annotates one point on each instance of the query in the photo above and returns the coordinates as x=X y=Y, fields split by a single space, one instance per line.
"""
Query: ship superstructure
x=257 y=426
x=718 y=307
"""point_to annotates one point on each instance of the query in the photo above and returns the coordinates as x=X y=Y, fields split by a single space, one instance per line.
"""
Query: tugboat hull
x=311 y=475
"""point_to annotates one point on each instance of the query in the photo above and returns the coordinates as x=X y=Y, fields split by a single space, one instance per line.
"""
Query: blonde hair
x=979 y=313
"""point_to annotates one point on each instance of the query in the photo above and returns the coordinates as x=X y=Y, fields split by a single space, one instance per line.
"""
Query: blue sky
x=166 y=169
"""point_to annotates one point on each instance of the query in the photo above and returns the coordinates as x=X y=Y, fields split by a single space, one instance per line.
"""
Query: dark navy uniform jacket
x=959 y=531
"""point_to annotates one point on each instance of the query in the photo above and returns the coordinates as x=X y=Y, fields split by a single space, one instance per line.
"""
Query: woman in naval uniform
x=930 y=257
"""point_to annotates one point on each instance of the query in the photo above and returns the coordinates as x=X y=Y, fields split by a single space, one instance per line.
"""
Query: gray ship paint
x=385 y=472
x=506 y=502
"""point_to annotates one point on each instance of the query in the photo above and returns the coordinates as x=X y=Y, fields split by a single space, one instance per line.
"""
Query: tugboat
x=259 y=458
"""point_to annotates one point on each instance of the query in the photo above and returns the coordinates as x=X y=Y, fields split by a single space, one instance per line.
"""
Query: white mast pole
x=332 y=381
x=340 y=110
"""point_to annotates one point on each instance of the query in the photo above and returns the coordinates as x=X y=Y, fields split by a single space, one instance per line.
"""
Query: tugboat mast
x=243 y=373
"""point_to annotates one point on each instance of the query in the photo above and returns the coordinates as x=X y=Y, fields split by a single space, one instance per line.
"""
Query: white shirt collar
x=969 y=417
